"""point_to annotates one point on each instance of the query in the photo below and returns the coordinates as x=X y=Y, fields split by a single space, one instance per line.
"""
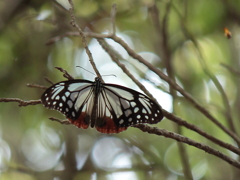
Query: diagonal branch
x=180 y=138
x=83 y=37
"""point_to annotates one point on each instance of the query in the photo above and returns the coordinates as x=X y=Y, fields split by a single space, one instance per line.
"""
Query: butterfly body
x=110 y=108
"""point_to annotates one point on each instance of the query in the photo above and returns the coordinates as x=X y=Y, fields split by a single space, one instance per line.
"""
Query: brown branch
x=66 y=122
x=84 y=41
x=36 y=86
x=48 y=80
x=167 y=134
x=65 y=73
x=68 y=34
x=21 y=102
x=181 y=122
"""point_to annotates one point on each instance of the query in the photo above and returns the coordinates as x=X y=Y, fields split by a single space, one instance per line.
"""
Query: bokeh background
x=164 y=32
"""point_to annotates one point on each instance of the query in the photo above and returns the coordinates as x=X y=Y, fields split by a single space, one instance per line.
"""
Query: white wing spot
x=130 y=119
x=73 y=114
x=121 y=121
x=136 y=110
x=54 y=103
x=47 y=99
x=46 y=94
x=144 y=111
x=57 y=98
x=127 y=112
x=64 y=98
x=66 y=109
x=133 y=104
x=146 y=117
x=70 y=104
x=138 y=117
x=60 y=104
x=67 y=93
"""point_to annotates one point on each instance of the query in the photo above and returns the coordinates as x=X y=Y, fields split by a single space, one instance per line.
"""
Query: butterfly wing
x=73 y=98
x=120 y=107
x=110 y=108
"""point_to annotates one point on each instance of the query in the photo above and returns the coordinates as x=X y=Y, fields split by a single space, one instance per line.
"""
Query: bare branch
x=181 y=122
x=66 y=122
x=21 y=102
x=84 y=41
x=36 y=86
x=48 y=80
x=167 y=134
x=65 y=73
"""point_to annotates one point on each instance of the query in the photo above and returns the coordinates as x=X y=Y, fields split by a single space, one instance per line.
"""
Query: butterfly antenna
x=86 y=70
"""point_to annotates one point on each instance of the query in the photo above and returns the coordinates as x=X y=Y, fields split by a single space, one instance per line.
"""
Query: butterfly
x=110 y=108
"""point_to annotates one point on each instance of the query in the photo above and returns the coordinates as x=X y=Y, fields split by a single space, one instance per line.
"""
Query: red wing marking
x=107 y=125
x=80 y=122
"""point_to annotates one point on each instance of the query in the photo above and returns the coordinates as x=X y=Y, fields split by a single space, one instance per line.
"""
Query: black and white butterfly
x=110 y=108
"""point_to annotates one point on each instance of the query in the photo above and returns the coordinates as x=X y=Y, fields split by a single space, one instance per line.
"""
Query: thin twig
x=66 y=122
x=21 y=102
x=113 y=16
x=48 y=80
x=231 y=69
x=181 y=122
x=36 y=86
x=65 y=73
x=84 y=41
x=180 y=138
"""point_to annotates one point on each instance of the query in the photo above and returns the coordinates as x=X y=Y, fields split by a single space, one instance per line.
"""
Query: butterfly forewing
x=110 y=108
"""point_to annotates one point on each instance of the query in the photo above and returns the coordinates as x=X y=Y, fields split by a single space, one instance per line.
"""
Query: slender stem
x=84 y=41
